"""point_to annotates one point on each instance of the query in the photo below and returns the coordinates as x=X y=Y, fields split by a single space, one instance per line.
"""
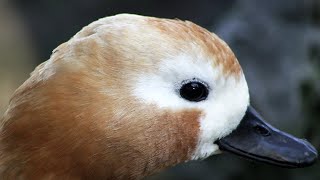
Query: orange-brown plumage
x=184 y=31
x=61 y=127
x=76 y=118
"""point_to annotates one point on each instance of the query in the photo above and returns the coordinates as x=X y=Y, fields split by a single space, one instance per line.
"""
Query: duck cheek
x=219 y=124
x=205 y=144
x=181 y=129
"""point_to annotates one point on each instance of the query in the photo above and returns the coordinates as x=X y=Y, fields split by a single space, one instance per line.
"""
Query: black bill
x=255 y=139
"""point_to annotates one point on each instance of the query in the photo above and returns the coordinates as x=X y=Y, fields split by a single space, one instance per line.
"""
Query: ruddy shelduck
x=130 y=95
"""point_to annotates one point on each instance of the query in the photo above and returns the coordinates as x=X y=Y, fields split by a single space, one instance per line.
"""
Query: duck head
x=130 y=95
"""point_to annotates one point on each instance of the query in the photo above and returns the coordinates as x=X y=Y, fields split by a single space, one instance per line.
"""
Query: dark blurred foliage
x=277 y=44
x=310 y=95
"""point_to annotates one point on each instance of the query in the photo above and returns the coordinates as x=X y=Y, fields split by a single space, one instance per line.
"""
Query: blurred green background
x=277 y=44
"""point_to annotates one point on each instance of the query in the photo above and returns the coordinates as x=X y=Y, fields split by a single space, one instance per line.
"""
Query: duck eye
x=194 y=91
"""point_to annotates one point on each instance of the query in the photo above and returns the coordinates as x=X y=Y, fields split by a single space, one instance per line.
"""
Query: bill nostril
x=261 y=130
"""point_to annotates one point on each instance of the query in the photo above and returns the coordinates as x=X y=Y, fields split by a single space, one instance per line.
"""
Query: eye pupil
x=194 y=91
